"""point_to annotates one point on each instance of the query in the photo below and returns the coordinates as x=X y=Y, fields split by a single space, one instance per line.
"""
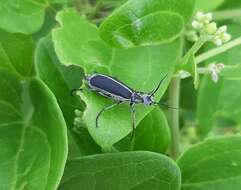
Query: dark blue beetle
x=112 y=88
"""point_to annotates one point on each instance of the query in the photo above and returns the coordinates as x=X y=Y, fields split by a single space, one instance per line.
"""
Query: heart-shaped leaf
x=213 y=164
x=33 y=138
x=130 y=170
x=141 y=68
x=146 y=22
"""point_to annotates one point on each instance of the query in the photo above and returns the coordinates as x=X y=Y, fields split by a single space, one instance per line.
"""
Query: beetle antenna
x=158 y=86
x=165 y=105
x=75 y=90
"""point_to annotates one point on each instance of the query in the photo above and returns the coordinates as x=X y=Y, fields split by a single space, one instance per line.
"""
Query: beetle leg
x=133 y=117
x=103 y=110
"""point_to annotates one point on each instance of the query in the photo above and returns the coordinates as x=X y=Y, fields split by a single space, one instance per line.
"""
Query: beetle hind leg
x=103 y=110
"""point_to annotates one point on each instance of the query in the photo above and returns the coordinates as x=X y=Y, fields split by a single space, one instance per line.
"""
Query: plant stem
x=218 y=50
x=227 y=14
x=174 y=94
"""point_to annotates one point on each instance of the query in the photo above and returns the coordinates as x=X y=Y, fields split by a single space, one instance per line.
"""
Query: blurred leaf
x=16 y=53
x=61 y=80
x=153 y=132
x=207 y=5
x=213 y=164
x=151 y=63
x=132 y=170
x=231 y=4
x=146 y=22
x=33 y=138
x=222 y=97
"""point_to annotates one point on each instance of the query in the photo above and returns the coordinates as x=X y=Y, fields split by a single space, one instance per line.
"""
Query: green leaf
x=61 y=80
x=153 y=132
x=146 y=22
x=33 y=138
x=16 y=53
x=222 y=97
x=206 y=5
x=132 y=170
x=213 y=164
x=151 y=63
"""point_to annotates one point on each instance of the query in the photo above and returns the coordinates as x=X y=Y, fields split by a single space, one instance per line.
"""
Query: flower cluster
x=204 y=25
x=215 y=69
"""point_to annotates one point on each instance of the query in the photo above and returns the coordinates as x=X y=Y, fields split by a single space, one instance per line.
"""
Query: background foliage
x=48 y=138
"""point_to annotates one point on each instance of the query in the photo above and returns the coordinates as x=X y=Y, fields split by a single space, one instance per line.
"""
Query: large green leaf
x=16 y=52
x=214 y=164
x=33 y=139
x=153 y=132
x=222 y=97
x=61 y=80
x=146 y=22
x=141 y=68
x=133 y=170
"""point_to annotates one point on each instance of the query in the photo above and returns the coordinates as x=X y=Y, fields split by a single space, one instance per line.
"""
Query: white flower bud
x=217 y=41
x=220 y=67
x=214 y=76
x=225 y=37
x=223 y=29
x=209 y=17
x=211 y=28
x=197 y=25
x=200 y=16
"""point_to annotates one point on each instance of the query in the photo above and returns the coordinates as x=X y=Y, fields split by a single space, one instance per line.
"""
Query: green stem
x=174 y=94
x=218 y=50
x=227 y=14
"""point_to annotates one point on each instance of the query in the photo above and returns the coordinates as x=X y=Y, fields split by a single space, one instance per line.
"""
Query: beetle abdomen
x=109 y=85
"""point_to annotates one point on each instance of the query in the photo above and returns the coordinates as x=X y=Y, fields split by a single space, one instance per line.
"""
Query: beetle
x=112 y=88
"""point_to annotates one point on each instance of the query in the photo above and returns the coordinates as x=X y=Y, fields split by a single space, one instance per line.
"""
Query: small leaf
x=141 y=68
x=132 y=170
x=146 y=22
x=33 y=138
x=213 y=164
x=16 y=53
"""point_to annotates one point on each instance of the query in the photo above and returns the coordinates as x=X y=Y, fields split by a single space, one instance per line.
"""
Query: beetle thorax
x=147 y=99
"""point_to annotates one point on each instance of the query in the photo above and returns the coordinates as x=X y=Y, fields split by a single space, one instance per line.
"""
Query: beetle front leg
x=133 y=117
